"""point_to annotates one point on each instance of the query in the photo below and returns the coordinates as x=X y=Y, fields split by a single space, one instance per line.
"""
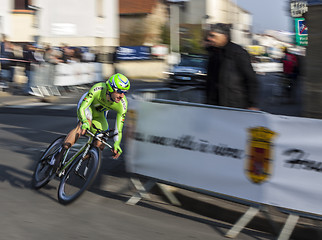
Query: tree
x=192 y=39
x=165 y=34
x=134 y=37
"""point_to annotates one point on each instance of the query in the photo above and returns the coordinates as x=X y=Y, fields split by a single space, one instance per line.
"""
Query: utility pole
x=174 y=26
x=312 y=95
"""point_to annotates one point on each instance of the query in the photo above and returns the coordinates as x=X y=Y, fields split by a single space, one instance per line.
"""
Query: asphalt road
x=101 y=213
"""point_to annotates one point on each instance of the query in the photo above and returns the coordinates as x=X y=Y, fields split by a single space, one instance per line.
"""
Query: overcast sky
x=268 y=14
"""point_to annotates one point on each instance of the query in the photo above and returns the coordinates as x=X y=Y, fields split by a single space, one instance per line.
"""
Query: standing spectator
x=290 y=70
x=231 y=80
x=88 y=56
x=52 y=56
x=66 y=53
x=39 y=55
x=13 y=62
x=76 y=55
x=4 y=39
x=2 y=49
x=8 y=63
x=28 y=56
x=47 y=53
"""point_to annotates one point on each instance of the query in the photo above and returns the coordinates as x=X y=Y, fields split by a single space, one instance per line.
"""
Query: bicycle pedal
x=61 y=173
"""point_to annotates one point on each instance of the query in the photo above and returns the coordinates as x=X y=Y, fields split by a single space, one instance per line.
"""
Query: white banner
x=296 y=182
x=249 y=155
x=199 y=147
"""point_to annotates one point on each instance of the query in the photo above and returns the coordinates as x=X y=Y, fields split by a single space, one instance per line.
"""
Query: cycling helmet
x=118 y=82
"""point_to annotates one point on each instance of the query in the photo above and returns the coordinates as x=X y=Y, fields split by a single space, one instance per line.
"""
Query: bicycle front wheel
x=43 y=170
x=79 y=176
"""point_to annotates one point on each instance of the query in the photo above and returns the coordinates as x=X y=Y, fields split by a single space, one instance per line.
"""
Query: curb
x=50 y=99
x=230 y=212
x=18 y=101
x=147 y=79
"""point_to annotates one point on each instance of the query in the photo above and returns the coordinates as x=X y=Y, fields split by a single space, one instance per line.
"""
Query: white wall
x=225 y=11
x=74 y=22
x=242 y=27
x=22 y=29
x=194 y=12
x=5 y=24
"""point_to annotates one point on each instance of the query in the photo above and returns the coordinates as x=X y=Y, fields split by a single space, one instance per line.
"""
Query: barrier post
x=142 y=190
x=171 y=197
x=242 y=222
x=288 y=227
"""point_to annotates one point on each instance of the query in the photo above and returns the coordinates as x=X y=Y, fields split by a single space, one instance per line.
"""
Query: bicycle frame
x=83 y=150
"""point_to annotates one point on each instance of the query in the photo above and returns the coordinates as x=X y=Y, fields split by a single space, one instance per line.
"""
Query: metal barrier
x=50 y=79
x=183 y=94
x=42 y=83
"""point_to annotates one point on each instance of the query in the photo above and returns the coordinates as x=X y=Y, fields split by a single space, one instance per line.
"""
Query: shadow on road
x=16 y=178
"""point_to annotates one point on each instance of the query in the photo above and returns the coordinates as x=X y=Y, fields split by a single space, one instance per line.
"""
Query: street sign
x=133 y=53
x=314 y=2
x=298 y=8
x=301 y=32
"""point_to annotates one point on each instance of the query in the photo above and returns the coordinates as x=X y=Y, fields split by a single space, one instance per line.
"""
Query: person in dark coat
x=231 y=80
x=28 y=56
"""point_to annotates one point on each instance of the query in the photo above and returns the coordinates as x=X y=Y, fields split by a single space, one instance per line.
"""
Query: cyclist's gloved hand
x=117 y=150
x=85 y=126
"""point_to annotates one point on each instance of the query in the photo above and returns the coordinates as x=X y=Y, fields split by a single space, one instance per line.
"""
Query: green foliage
x=165 y=34
x=192 y=40
x=135 y=37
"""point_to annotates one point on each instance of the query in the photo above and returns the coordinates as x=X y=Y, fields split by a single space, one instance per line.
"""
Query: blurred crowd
x=27 y=54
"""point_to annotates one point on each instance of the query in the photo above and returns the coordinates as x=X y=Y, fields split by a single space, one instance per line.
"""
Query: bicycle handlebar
x=99 y=138
x=101 y=135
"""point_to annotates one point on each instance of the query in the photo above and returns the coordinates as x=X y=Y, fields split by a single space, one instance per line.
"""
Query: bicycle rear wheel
x=43 y=170
x=79 y=176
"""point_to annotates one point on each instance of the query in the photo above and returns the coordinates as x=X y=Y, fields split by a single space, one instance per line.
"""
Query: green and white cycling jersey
x=95 y=106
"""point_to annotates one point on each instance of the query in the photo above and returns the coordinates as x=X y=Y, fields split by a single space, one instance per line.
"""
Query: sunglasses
x=120 y=91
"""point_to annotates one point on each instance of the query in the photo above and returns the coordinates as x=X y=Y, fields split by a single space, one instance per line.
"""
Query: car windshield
x=193 y=62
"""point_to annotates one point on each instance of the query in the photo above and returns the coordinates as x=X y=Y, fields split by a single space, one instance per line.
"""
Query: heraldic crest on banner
x=259 y=161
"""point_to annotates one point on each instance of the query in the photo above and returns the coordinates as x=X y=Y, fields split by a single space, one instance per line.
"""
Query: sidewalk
x=16 y=96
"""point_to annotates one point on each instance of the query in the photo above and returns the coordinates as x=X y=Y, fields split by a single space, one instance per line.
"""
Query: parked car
x=191 y=70
x=263 y=65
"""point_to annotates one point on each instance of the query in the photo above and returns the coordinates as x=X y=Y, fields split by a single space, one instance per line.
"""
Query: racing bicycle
x=77 y=172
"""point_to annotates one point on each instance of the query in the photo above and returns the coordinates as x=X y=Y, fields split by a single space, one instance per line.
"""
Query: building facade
x=141 y=21
x=207 y=12
x=73 y=22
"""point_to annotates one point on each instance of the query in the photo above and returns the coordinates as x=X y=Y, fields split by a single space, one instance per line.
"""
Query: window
x=99 y=8
x=22 y=4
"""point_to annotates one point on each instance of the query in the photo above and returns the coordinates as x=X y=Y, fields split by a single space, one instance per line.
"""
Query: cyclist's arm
x=120 y=118
x=119 y=126
x=87 y=101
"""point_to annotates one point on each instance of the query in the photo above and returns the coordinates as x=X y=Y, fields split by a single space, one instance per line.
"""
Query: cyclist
x=93 y=107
